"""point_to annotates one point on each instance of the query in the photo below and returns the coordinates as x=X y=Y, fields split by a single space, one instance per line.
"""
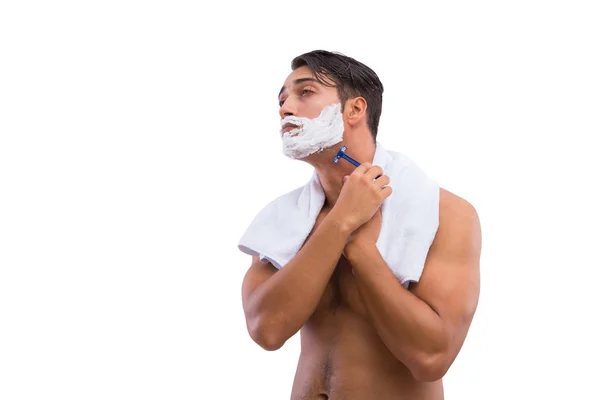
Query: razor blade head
x=340 y=154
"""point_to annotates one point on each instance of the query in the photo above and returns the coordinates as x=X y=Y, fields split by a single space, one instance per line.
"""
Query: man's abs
x=342 y=356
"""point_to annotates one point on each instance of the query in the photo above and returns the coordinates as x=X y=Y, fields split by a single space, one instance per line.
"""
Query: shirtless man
x=363 y=335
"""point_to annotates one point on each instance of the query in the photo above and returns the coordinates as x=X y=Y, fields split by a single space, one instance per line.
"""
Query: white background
x=139 y=139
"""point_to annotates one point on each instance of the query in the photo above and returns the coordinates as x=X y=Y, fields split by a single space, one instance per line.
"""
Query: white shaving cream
x=313 y=135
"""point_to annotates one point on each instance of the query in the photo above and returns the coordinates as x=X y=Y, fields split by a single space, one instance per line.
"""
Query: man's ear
x=357 y=110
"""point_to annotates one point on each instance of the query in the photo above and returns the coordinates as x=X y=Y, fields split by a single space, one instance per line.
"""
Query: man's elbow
x=431 y=368
x=268 y=343
x=265 y=338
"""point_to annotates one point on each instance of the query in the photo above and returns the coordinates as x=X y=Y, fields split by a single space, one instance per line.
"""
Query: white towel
x=410 y=219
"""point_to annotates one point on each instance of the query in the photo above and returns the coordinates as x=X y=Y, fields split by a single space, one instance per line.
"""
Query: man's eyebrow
x=297 y=81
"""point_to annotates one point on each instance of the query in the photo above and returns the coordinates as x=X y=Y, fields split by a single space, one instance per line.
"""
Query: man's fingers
x=382 y=181
x=361 y=169
x=386 y=192
x=374 y=172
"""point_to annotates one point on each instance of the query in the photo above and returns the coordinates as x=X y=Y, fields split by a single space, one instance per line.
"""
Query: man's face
x=311 y=118
x=302 y=96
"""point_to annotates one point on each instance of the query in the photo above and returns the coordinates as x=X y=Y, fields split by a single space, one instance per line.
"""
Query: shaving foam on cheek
x=313 y=135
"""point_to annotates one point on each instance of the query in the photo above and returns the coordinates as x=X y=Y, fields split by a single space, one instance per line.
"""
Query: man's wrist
x=340 y=223
x=355 y=249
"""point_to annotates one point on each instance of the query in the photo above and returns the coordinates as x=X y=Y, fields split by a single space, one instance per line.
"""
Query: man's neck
x=332 y=175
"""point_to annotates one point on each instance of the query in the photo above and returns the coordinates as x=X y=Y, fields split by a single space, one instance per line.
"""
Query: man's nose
x=287 y=108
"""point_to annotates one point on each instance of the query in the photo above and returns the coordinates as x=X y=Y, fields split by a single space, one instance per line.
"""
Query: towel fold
x=410 y=219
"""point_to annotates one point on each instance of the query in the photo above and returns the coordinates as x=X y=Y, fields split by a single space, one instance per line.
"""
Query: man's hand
x=361 y=196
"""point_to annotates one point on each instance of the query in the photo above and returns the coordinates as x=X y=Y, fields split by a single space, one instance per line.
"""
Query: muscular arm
x=278 y=302
x=425 y=327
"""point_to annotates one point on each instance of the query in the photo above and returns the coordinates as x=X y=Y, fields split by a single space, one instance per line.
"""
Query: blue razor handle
x=342 y=154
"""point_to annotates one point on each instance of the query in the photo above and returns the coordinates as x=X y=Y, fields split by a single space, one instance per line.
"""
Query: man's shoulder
x=453 y=204
x=459 y=219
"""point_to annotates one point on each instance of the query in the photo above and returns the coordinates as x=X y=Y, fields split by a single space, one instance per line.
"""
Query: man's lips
x=288 y=127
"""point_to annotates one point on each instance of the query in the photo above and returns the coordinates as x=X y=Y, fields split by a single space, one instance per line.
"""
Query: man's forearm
x=408 y=326
x=283 y=303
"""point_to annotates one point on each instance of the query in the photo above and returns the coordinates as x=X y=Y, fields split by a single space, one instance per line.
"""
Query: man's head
x=321 y=78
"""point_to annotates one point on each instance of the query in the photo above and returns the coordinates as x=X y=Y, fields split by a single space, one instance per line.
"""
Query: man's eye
x=304 y=91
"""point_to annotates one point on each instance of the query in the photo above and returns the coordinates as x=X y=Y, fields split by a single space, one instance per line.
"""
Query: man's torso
x=342 y=356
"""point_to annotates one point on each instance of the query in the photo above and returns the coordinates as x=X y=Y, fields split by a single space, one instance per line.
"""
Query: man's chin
x=321 y=156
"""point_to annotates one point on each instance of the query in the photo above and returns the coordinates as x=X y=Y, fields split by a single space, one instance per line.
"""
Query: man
x=363 y=334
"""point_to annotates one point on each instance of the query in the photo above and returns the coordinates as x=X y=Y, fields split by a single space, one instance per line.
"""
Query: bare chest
x=342 y=289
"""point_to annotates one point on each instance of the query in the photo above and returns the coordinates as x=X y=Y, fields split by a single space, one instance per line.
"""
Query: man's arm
x=278 y=302
x=426 y=326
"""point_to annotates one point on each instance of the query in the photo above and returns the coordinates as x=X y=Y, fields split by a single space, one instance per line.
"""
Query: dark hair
x=352 y=79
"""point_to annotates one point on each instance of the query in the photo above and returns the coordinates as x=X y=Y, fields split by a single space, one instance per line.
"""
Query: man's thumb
x=345 y=178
